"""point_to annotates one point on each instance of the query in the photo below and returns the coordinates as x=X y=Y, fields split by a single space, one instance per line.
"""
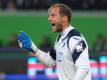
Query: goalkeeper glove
x=26 y=43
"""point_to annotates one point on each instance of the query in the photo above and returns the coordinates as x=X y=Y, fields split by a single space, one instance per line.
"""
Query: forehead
x=54 y=10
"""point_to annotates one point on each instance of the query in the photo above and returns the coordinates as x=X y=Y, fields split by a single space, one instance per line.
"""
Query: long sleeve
x=82 y=66
x=45 y=58
x=80 y=57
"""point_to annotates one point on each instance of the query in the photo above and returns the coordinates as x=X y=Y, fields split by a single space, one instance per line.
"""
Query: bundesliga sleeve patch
x=79 y=47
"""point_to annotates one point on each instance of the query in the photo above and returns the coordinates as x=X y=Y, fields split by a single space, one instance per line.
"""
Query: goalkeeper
x=70 y=52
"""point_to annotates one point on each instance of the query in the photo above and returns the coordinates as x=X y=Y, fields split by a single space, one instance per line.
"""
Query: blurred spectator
x=85 y=4
x=10 y=5
x=100 y=46
x=45 y=45
x=41 y=4
x=19 y=4
x=4 y=4
x=27 y=4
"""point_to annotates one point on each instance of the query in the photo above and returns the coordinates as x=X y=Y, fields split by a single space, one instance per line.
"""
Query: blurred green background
x=37 y=26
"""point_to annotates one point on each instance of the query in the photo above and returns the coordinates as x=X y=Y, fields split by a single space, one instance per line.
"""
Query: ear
x=64 y=18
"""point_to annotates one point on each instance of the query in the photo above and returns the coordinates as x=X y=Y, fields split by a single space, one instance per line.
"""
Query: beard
x=58 y=27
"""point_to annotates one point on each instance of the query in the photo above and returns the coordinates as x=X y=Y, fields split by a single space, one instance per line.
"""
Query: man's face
x=55 y=19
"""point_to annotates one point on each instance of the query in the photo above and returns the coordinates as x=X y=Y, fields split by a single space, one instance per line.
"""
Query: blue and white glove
x=26 y=43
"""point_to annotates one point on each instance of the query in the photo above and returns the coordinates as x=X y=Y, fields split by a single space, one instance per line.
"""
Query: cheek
x=59 y=20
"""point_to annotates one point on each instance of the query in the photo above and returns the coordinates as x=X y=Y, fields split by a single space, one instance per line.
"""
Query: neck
x=66 y=25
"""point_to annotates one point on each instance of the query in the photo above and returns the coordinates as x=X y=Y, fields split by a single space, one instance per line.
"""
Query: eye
x=53 y=15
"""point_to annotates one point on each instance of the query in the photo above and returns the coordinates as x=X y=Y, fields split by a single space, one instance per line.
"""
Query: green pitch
x=38 y=26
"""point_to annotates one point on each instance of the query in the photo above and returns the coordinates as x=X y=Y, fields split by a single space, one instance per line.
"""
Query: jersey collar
x=66 y=31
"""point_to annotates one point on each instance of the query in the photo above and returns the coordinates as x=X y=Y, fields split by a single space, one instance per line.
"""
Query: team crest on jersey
x=79 y=47
x=59 y=56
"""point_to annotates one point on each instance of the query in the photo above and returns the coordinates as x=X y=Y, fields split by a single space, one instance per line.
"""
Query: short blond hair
x=64 y=10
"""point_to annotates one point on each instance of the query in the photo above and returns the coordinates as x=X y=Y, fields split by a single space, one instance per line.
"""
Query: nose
x=49 y=18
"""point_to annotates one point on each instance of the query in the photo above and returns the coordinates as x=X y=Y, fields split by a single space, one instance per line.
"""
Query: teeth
x=53 y=27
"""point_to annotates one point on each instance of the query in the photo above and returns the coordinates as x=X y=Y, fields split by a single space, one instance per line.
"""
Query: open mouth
x=53 y=24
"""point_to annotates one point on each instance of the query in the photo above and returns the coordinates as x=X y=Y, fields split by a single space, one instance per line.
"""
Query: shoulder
x=74 y=36
x=74 y=32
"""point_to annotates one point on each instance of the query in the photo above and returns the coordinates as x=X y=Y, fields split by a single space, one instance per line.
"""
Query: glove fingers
x=24 y=40
x=22 y=36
